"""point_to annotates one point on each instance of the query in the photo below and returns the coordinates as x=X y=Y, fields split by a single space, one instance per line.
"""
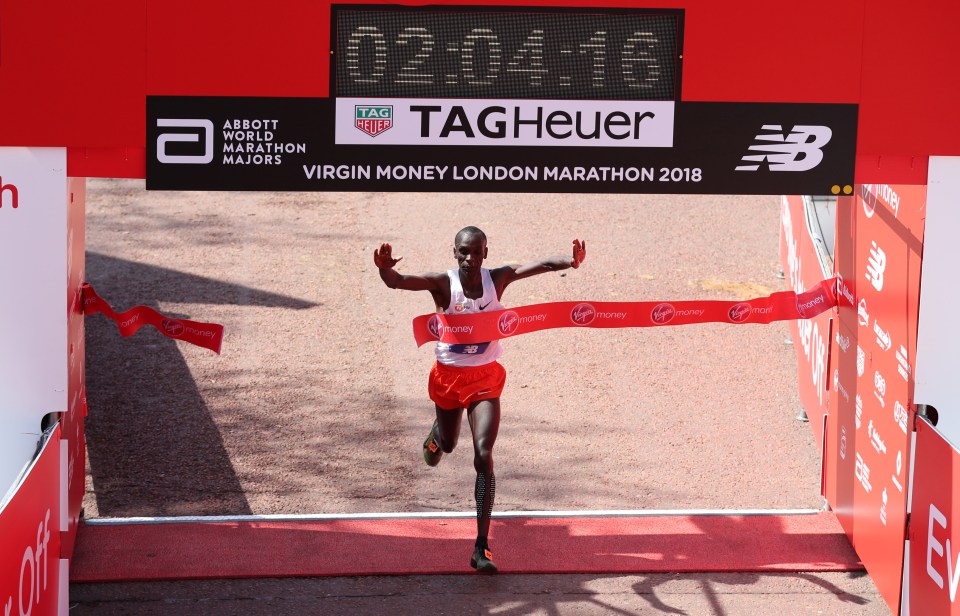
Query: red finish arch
x=79 y=78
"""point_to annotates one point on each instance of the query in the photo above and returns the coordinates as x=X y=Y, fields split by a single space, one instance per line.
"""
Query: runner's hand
x=383 y=257
x=579 y=253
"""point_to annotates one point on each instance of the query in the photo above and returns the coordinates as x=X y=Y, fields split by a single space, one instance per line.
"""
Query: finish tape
x=485 y=326
x=206 y=335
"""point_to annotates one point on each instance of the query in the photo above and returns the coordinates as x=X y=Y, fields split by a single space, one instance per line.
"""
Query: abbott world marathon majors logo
x=176 y=147
x=799 y=149
x=432 y=122
x=245 y=141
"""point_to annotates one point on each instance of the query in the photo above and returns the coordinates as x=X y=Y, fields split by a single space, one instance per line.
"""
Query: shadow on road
x=134 y=472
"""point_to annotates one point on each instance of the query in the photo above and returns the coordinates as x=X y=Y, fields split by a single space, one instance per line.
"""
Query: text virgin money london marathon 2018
x=517 y=173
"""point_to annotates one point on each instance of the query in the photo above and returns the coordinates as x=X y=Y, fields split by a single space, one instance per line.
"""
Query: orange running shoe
x=482 y=560
x=431 y=447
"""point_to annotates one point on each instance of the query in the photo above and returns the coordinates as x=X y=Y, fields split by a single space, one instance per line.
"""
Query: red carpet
x=179 y=551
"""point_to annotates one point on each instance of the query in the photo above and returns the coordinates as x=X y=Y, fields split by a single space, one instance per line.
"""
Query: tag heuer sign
x=374 y=119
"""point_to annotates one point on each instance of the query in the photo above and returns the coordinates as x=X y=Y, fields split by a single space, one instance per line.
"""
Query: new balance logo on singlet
x=469 y=349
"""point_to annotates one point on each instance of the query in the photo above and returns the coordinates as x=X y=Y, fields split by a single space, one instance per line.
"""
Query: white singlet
x=479 y=353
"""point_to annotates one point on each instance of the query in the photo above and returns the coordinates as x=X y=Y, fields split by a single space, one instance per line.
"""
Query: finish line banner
x=483 y=327
x=382 y=144
x=206 y=335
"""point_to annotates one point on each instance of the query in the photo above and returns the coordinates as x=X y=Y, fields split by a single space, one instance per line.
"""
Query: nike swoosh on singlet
x=482 y=307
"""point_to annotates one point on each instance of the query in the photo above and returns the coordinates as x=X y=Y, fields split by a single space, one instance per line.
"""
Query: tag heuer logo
x=374 y=119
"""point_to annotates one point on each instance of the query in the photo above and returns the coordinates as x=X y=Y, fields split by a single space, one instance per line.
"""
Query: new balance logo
x=798 y=150
x=876 y=264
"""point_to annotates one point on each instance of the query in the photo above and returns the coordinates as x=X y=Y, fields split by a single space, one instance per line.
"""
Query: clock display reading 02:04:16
x=487 y=53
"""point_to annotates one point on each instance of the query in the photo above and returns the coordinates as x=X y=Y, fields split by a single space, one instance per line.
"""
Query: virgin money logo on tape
x=172 y=326
x=508 y=323
x=434 y=326
x=739 y=313
x=583 y=314
x=803 y=307
x=798 y=149
x=429 y=122
x=373 y=119
x=662 y=314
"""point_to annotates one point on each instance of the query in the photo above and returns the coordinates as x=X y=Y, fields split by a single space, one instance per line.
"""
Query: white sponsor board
x=433 y=122
x=33 y=313
x=938 y=337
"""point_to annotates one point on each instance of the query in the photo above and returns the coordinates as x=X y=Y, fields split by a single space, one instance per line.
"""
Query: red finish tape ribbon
x=206 y=335
x=485 y=326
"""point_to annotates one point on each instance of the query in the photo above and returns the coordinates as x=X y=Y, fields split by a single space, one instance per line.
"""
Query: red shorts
x=451 y=388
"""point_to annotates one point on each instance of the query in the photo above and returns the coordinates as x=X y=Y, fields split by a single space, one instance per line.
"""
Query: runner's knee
x=448 y=444
x=483 y=460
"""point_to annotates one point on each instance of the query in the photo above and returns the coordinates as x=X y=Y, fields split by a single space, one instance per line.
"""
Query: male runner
x=468 y=376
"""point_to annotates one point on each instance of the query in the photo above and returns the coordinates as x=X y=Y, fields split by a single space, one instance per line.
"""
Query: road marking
x=420 y=515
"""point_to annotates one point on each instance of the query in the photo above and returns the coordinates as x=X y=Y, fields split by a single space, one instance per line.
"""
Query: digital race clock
x=506 y=52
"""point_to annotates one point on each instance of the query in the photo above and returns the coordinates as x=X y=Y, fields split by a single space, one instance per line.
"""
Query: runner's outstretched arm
x=383 y=259
x=509 y=273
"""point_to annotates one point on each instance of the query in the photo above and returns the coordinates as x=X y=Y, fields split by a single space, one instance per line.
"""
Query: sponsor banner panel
x=498 y=145
x=937 y=384
x=886 y=250
x=411 y=121
x=802 y=269
x=935 y=520
x=33 y=326
x=30 y=538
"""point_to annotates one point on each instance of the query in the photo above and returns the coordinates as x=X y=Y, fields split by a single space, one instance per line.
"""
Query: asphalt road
x=317 y=403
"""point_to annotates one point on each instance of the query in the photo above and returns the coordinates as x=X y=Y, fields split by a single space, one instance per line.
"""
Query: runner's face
x=470 y=251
